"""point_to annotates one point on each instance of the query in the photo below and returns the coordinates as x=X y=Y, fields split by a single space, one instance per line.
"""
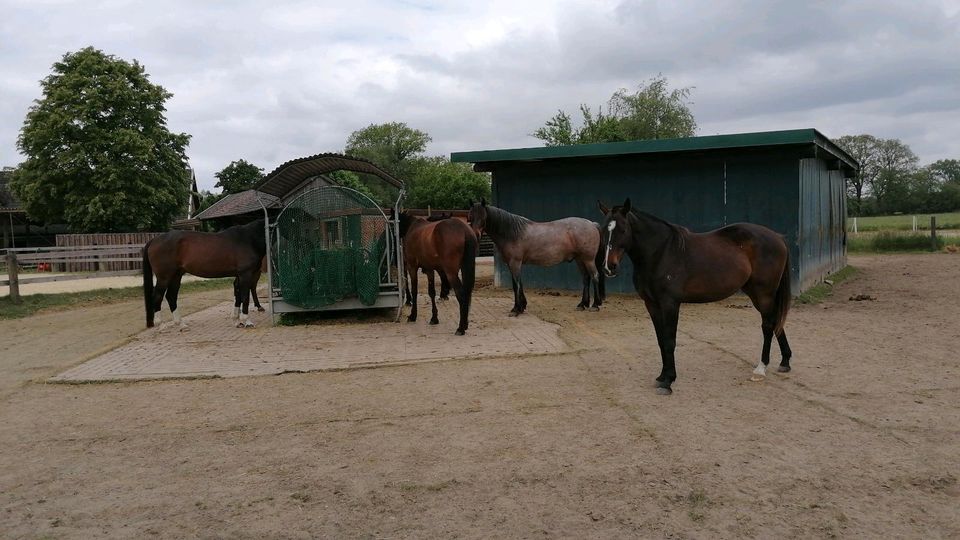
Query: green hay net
x=330 y=245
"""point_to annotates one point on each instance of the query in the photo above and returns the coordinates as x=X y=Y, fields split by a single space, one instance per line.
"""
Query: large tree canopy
x=652 y=112
x=389 y=145
x=239 y=175
x=437 y=182
x=99 y=154
x=430 y=181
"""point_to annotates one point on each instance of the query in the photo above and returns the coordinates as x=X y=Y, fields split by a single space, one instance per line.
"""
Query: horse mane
x=503 y=224
x=677 y=232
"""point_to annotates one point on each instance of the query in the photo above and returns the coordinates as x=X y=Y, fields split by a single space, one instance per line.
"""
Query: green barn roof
x=794 y=137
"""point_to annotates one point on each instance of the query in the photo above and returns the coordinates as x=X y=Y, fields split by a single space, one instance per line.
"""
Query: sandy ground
x=860 y=440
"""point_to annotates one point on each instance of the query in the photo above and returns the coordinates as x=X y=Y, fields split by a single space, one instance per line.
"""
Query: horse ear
x=603 y=208
x=483 y=201
x=626 y=206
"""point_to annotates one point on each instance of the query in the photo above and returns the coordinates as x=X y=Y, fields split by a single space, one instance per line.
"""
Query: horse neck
x=413 y=224
x=502 y=225
x=651 y=237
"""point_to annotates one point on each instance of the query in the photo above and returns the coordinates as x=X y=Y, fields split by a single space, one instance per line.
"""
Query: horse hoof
x=459 y=332
x=581 y=308
x=757 y=378
x=783 y=369
x=594 y=308
x=260 y=309
x=434 y=321
x=661 y=391
x=514 y=314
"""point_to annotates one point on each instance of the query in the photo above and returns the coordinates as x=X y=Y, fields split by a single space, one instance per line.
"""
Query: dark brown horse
x=235 y=252
x=253 y=291
x=673 y=265
x=522 y=241
x=448 y=247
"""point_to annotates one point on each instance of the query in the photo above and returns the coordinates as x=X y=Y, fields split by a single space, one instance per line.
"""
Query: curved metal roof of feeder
x=286 y=177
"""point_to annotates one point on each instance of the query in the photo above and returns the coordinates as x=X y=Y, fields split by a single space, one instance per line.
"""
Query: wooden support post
x=933 y=233
x=12 y=270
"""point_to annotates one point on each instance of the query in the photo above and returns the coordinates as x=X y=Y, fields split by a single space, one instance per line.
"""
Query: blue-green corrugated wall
x=701 y=192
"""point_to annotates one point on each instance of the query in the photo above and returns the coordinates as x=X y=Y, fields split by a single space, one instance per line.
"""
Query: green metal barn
x=791 y=181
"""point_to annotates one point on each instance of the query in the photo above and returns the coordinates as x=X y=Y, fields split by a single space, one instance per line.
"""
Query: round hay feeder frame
x=331 y=247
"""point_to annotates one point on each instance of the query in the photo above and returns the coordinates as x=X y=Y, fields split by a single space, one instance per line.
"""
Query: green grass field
x=904 y=222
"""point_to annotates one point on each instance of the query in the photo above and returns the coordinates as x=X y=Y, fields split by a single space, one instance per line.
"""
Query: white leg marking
x=178 y=320
x=236 y=313
x=759 y=372
x=245 y=322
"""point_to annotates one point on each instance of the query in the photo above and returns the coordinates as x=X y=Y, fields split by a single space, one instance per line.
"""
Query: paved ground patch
x=211 y=346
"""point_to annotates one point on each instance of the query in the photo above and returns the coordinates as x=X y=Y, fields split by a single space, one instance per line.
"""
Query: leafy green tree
x=895 y=163
x=352 y=180
x=99 y=154
x=437 y=182
x=389 y=145
x=946 y=170
x=652 y=112
x=863 y=149
x=239 y=175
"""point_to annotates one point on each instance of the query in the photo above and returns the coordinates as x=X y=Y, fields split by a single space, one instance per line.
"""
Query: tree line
x=100 y=157
x=890 y=179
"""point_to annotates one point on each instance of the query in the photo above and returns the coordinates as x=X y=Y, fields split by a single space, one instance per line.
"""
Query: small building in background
x=793 y=182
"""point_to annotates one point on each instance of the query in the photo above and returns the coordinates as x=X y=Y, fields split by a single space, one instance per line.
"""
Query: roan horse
x=673 y=265
x=235 y=252
x=449 y=247
x=520 y=240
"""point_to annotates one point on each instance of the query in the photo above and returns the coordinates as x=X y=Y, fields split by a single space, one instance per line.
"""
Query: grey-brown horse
x=520 y=240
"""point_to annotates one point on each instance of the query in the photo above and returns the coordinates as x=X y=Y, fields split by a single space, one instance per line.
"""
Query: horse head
x=615 y=235
x=477 y=218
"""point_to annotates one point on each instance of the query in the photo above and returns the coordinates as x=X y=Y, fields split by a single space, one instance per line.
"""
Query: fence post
x=12 y=271
x=933 y=233
x=914 y=223
x=854 y=225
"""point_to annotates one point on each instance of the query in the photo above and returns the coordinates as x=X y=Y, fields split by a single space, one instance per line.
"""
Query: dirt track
x=859 y=440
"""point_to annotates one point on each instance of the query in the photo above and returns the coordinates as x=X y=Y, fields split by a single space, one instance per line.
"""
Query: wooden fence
x=96 y=258
x=101 y=240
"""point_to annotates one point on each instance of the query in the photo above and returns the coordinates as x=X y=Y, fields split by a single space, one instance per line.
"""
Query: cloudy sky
x=272 y=81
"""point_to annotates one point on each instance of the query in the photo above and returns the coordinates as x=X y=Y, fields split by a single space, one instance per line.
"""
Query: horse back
x=433 y=244
x=208 y=255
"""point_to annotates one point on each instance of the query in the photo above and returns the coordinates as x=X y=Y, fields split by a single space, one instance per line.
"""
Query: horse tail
x=468 y=264
x=783 y=296
x=148 y=286
x=598 y=262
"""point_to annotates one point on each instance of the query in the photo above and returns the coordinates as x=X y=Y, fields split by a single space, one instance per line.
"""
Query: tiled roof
x=237 y=204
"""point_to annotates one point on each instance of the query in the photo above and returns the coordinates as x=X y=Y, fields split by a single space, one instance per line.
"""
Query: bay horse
x=234 y=252
x=448 y=247
x=253 y=291
x=444 y=284
x=673 y=266
x=520 y=240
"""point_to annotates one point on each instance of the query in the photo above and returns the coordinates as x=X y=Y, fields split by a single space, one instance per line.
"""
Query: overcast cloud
x=272 y=81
